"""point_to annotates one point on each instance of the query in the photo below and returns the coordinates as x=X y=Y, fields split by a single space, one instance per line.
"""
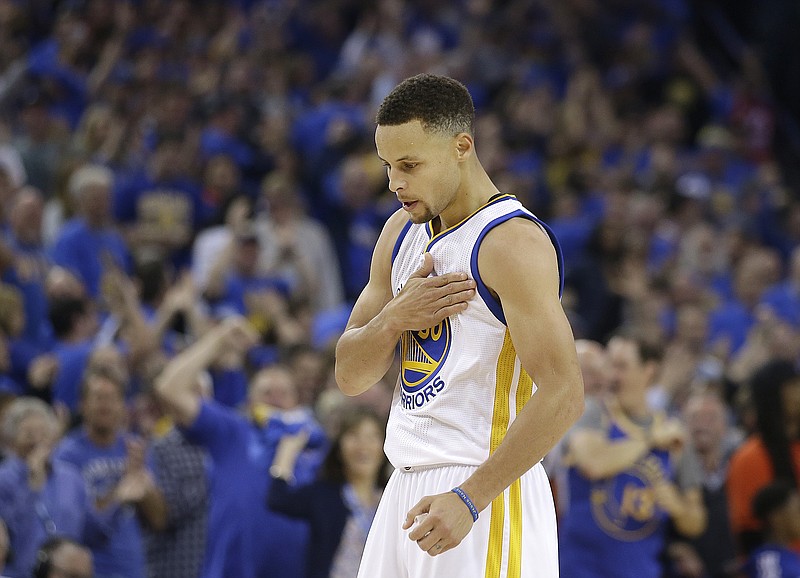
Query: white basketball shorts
x=515 y=537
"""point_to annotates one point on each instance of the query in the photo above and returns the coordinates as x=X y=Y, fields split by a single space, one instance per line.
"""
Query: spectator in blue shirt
x=784 y=297
x=731 y=321
x=627 y=476
x=115 y=471
x=31 y=263
x=41 y=496
x=54 y=63
x=14 y=365
x=777 y=505
x=74 y=324
x=222 y=133
x=245 y=539
x=159 y=206
x=89 y=245
x=236 y=284
x=40 y=143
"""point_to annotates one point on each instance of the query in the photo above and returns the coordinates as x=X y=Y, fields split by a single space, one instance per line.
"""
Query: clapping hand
x=136 y=481
x=236 y=333
x=667 y=433
x=38 y=458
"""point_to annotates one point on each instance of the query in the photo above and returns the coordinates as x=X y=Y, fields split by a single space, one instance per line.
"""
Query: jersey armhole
x=399 y=242
x=493 y=303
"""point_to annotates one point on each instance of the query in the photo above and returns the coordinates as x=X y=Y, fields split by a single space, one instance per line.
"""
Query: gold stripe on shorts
x=524 y=391
x=500 y=418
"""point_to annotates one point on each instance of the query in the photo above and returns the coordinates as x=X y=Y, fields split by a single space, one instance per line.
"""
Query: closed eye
x=404 y=166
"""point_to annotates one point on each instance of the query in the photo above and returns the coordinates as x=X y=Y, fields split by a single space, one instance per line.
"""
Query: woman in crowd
x=341 y=504
x=772 y=452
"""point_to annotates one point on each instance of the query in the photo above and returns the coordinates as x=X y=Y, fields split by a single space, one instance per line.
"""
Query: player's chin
x=420 y=219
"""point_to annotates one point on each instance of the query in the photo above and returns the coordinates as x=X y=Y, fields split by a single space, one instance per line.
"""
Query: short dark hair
x=772 y=498
x=64 y=312
x=442 y=104
x=152 y=273
x=648 y=348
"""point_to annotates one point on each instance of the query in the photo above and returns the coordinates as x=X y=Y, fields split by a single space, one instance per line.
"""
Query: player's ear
x=464 y=145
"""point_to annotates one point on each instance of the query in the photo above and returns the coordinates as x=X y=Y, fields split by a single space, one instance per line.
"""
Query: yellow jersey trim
x=500 y=419
x=452 y=228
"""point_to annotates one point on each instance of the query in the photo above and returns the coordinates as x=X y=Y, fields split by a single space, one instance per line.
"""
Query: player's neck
x=474 y=195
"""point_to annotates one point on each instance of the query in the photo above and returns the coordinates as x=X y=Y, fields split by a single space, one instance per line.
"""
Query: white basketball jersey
x=461 y=384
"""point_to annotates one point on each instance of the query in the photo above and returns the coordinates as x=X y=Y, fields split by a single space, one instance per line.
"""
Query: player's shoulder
x=519 y=253
x=396 y=221
x=519 y=233
x=391 y=230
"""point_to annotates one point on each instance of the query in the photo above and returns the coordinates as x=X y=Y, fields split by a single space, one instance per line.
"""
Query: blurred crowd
x=189 y=199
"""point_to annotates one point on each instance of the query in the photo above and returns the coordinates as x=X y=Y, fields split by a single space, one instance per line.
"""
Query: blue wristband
x=465 y=498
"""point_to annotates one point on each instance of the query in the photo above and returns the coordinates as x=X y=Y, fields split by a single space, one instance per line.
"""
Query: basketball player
x=467 y=282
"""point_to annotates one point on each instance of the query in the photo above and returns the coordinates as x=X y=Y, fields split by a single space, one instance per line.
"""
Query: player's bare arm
x=366 y=349
x=526 y=283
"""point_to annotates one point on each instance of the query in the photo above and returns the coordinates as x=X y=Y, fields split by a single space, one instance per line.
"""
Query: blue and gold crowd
x=190 y=197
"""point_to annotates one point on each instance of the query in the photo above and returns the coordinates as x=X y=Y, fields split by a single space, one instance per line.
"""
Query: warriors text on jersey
x=461 y=383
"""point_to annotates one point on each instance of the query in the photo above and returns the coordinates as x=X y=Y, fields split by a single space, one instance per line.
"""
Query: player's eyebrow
x=400 y=160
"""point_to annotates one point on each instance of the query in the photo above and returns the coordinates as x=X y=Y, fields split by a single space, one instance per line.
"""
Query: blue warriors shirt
x=614 y=528
x=461 y=383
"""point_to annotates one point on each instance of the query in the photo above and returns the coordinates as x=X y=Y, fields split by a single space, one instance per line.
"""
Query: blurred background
x=167 y=164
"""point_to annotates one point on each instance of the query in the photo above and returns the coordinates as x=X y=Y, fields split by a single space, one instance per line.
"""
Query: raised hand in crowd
x=137 y=486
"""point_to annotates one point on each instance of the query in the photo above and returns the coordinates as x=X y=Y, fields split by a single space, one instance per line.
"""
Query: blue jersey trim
x=399 y=241
x=493 y=304
x=559 y=254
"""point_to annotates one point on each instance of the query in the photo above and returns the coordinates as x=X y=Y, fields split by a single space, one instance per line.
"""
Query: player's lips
x=408 y=205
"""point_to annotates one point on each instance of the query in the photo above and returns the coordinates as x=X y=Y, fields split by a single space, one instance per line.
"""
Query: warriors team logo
x=625 y=506
x=423 y=353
